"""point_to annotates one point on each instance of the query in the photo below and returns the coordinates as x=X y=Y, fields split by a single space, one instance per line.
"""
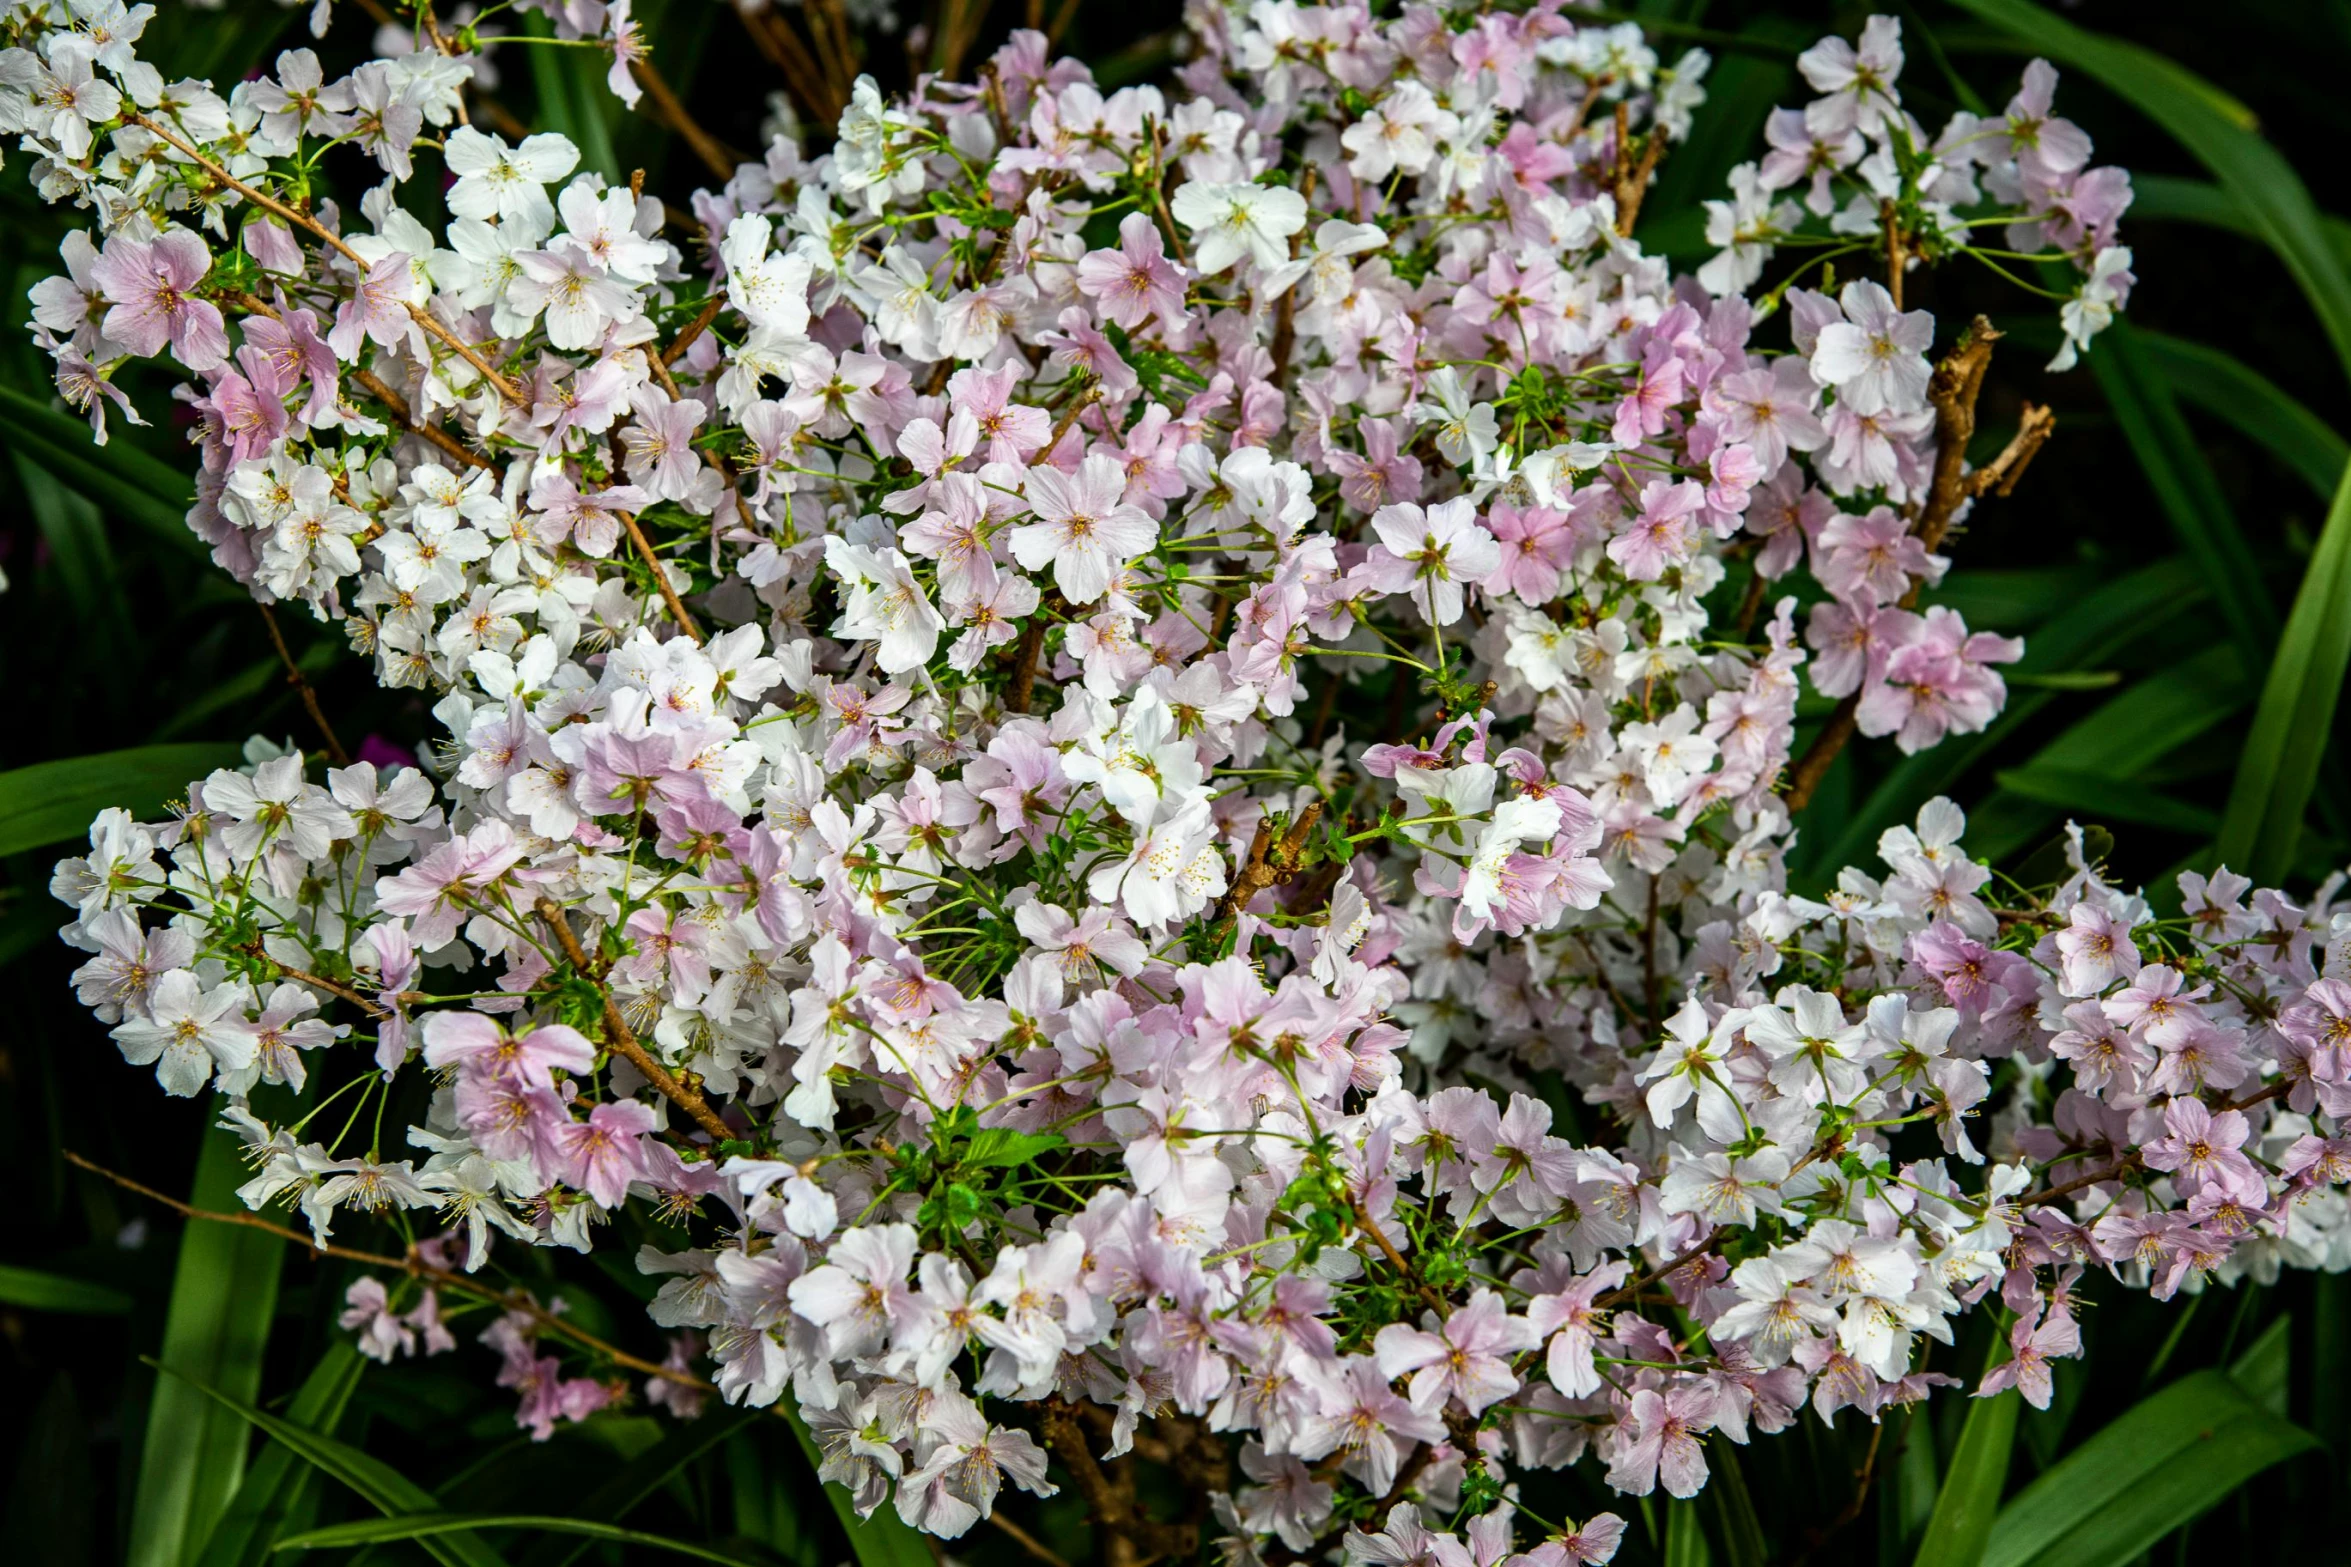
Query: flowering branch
x=623 y=1039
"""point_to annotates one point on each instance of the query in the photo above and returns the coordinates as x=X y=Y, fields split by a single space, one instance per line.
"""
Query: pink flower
x=377 y=311
x=1659 y=536
x=2031 y=1348
x=2203 y=1150
x=1876 y=356
x=1659 y=1441
x=151 y=284
x=1573 y=1322
x=1135 y=281
x=1467 y=1362
x=601 y=1155
x=1085 y=530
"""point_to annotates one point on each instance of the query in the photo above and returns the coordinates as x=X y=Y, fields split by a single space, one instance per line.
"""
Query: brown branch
x=1999 y=476
x=705 y=146
x=1862 y=1478
x=1024 y=664
x=669 y=595
x=1628 y=1291
x=1134 y=1537
x=371 y=1008
x=1397 y=1260
x=268 y=203
x=1952 y=393
x=375 y=386
x=1631 y=182
x=1069 y=416
x=1268 y=863
x=695 y=328
x=303 y=689
x=1897 y=263
x=411 y=1264
x=623 y=1041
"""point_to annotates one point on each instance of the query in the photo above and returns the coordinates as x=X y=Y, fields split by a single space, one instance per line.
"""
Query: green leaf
x=641 y=1478
x=2159 y=1466
x=35 y=1290
x=52 y=1508
x=1000 y=1147
x=2218 y=131
x=279 y=1479
x=2088 y=792
x=224 y=1292
x=2159 y=196
x=378 y=1483
x=2127 y=735
x=71 y=527
x=2262 y=827
x=2252 y=404
x=430 y=1526
x=2185 y=487
x=2265 y=1369
x=1970 y=1498
x=55 y=802
x=119 y=476
x=883 y=1540
x=573 y=100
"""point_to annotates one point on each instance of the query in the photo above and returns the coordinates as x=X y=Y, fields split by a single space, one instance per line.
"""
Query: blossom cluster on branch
x=1126 y=758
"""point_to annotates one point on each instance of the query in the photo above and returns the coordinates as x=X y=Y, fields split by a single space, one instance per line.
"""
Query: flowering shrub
x=1128 y=757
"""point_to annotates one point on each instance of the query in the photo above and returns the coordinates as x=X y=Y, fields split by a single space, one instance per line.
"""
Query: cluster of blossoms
x=1122 y=755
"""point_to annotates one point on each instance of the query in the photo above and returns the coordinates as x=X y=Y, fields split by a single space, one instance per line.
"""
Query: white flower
x=770 y=291
x=1232 y=221
x=886 y=604
x=496 y=181
x=187 y=1032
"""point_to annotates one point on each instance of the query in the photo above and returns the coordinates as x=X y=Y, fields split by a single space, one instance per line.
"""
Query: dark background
x=115 y=633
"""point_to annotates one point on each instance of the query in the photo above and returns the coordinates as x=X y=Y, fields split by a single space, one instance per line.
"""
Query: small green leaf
x=224 y=1292
x=2068 y=680
x=1000 y=1147
x=2261 y=831
x=35 y=1290
x=427 y=1527
x=55 y=802
x=2157 y=1467
x=1970 y=1499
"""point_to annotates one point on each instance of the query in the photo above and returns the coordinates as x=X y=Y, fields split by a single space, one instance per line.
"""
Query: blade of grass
x=2185 y=488
x=2157 y=1466
x=377 y=1483
x=2261 y=830
x=32 y=1289
x=1969 y=1501
x=2250 y=403
x=224 y=1292
x=279 y=1479
x=640 y=1478
x=55 y=802
x=423 y=1527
